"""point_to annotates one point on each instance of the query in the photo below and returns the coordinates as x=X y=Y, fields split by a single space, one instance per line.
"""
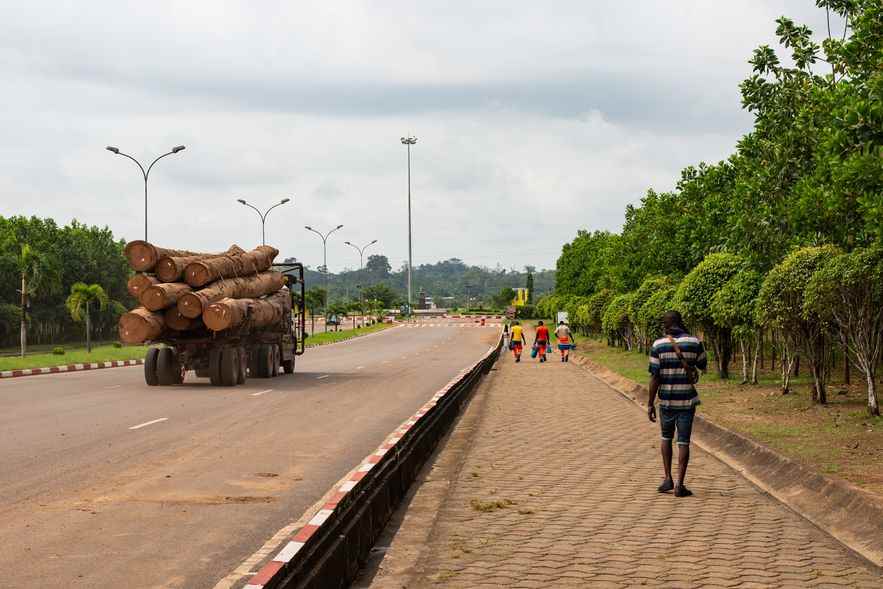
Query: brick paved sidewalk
x=550 y=480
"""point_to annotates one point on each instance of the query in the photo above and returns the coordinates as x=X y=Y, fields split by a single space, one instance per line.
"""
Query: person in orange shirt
x=541 y=341
x=565 y=341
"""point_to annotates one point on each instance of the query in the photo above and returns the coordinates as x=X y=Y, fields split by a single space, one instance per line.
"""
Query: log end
x=154 y=298
x=190 y=305
x=138 y=283
x=197 y=274
x=217 y=317
x=167 y=269
x=142 y=256
x=140 y=325
x=175 y=320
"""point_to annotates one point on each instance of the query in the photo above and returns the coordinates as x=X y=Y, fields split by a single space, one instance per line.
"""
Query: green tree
x=615 y=320
x=79 y=305
x=693 y=299
x=504 y=298
x=847 y=290
x=382 y=293
x=780 y=305
x=528 y=284
x=733 y=308
x=644 y=326
x=649 y=315
x=36 y=272
x=597 y=303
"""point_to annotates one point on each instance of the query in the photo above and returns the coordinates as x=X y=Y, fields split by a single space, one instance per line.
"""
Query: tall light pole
x=263 y=215
x=361 y=251
x=409 y=141
x=324 y=255
x=144 y=173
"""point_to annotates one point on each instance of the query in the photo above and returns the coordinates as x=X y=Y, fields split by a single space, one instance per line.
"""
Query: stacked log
x=229 y=313
x=143 y=256
x=163 y=295
x=171 y=268
x=176 y=288
x=199 y=273
x=140 y=325
x=194 y=303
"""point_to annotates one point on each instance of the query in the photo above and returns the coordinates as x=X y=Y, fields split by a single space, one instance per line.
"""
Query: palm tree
x=35 y=270
x=79 y=305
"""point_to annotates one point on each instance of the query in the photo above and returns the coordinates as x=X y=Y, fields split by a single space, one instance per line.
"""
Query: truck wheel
x=168 y=370
x=242 y=365
x=288 y=365
x=265 y=359
x=277 y=361
x=229 y=367
x=150 y=367
x=214 y=367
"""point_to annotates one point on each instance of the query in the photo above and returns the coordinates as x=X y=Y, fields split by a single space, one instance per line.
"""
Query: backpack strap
x=684 y=364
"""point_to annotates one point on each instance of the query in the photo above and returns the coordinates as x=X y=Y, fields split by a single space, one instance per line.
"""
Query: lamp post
x=409 y=141
x=263 y=215
x=324 y=260
x=144 y=173
x=361 y=251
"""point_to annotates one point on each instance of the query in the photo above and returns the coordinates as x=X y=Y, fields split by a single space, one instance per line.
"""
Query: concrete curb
x=326 y=552
x=69 y=368
x=849 y=514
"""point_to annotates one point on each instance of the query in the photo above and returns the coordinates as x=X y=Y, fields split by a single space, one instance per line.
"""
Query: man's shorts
x=680 y=419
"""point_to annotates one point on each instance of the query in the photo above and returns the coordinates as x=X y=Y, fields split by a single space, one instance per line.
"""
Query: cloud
x=533 y=120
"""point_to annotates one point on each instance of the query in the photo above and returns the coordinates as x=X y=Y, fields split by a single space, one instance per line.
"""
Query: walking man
x=541 y=341
x=516 y=340
x=565 y=340
x=675 y=361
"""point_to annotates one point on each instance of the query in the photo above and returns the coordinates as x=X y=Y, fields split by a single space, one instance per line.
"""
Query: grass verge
x=838 y=439
x=331 y=337
x=73 y=356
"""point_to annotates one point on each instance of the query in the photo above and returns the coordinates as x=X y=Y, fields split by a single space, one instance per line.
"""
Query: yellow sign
x=520 y=297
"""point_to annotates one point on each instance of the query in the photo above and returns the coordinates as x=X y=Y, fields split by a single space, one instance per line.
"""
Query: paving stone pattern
x=566 y=472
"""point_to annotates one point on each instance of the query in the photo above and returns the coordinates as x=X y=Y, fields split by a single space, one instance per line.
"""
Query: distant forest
x=449 y=278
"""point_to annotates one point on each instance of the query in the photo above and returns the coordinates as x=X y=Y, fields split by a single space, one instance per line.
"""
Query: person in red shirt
x=541 y=341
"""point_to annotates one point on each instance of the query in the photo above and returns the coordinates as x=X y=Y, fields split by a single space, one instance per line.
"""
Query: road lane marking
x=359 y=367
x=114 y=386
x=323 y=376
x=146 y=423
x=259 y=393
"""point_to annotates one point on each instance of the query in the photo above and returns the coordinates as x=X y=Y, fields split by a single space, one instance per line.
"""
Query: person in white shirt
x=565 y=341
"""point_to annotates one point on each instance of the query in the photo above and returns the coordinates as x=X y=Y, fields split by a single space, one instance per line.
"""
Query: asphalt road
x=107 y=482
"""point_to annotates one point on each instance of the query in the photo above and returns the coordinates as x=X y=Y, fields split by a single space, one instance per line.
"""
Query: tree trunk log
x=174 y=320
x=171 y=268
x=138 y=283
x=200 y=273
x=193 y=304
x=164 y=295
x=140 y=325
x=143 y=256
x=228 y=313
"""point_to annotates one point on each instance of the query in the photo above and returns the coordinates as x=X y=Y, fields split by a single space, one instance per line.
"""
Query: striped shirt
x=675 y=390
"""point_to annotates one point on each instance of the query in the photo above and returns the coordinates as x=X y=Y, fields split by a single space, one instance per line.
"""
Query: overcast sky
x=534 y=119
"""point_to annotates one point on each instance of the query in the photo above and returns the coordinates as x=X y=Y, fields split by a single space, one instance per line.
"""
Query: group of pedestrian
x=542 y=345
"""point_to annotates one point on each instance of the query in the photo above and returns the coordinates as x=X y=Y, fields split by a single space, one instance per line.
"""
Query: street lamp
x=144 y=173
x=409 y=141
x=263 y=215
x=324 y=257
x=361 y=251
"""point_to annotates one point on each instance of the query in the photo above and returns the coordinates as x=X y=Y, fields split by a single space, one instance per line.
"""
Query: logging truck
x=265 y=337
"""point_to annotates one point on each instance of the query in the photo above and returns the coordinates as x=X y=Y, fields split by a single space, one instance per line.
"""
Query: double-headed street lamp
x=324 y=238
x=361 y=251
x=144 y=173
x=263 y=215
x=409 y=141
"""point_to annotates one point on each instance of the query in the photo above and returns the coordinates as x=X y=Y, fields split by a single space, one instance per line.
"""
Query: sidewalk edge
x=69 y=368
x=847 y=513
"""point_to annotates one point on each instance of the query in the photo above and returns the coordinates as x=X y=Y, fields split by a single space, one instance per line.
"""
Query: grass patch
x=330 y=337
x=74 y=356
x=839 y=439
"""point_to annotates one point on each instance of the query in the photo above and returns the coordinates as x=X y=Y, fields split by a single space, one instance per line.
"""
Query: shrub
x=58 y=351
x=117 y=344
x=651 y=312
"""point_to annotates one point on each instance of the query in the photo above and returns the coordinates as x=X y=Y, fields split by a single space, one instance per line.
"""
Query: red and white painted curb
x=346 y=485
x=68 y=368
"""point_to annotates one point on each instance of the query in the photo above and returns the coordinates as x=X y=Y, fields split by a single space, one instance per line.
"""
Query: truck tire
x=168 y=370
x=229 y=368
x=264 y=360
x=276 y=365
x=288 y=365
x=214 y=367
x=242 y=372
x=150 y=376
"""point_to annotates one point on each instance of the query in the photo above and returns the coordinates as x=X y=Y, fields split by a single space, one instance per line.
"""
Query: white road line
x=114 y=386
x=359 y=367
x=146 y=423
x=259 y=393
x=323 y=376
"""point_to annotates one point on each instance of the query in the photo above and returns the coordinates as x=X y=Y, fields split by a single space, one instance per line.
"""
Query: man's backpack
x=692 y=372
